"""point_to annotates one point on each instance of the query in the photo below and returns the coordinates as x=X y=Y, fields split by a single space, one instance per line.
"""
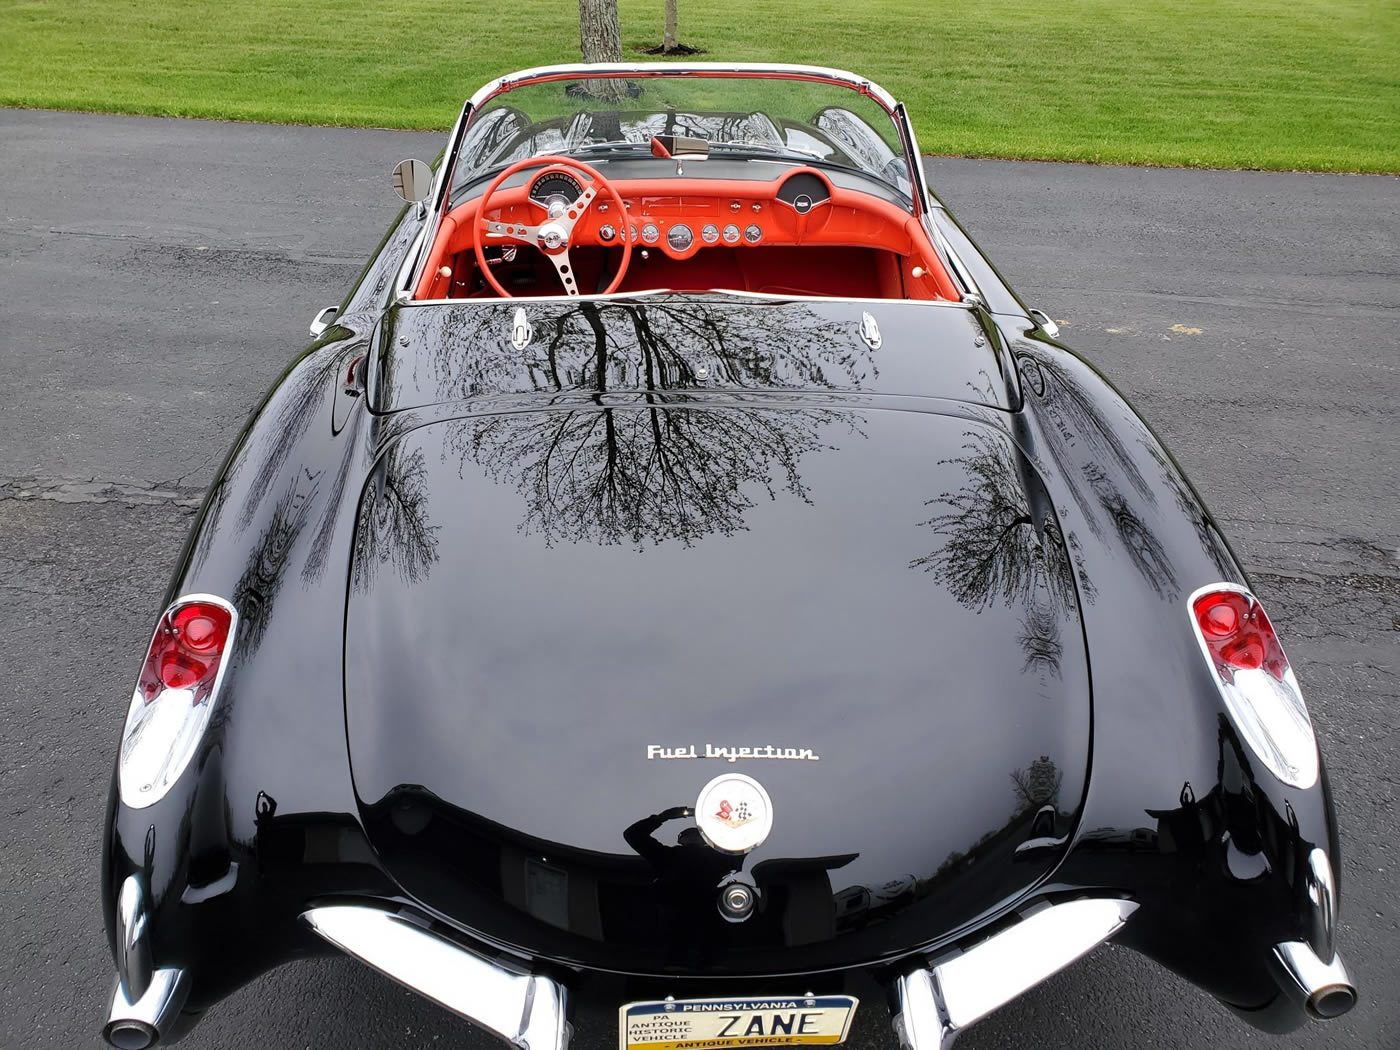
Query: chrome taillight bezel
x=1269 y=712
x=148 y=767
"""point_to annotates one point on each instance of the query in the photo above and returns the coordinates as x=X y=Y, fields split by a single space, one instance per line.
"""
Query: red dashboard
x=681 y=217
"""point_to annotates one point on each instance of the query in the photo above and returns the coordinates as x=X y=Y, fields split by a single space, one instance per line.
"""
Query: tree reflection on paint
x=1002 y=542
x=662 y=468
x=394 y=527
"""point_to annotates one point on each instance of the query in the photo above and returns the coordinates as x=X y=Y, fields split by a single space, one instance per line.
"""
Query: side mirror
x=413 y=180
x=323 y=320
x=1042 y=319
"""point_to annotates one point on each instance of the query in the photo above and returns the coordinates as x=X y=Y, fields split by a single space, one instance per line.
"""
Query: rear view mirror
x=1043 y=322
x=413 y=180
x=323 y=320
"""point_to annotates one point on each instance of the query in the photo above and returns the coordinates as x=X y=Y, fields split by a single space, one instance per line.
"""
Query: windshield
x=812 y=121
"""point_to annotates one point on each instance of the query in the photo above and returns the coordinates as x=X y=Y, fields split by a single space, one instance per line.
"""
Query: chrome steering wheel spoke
x=565 y=269
x=511 y=231
x=569 y=219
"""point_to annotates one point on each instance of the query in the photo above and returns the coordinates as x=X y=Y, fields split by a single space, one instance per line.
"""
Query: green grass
x=1310 y=84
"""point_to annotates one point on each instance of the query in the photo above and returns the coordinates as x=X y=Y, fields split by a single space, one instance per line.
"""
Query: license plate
x=697 y=1024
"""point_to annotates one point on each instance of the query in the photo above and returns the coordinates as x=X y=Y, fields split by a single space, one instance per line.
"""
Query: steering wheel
x=552 y=237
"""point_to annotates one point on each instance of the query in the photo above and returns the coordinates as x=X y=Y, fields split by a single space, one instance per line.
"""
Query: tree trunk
x=599 y=36
x=601 y=41
x=668 y=34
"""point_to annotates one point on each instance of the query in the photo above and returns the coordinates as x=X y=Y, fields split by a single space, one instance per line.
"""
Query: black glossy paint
x=571 y=586
x=506 y=572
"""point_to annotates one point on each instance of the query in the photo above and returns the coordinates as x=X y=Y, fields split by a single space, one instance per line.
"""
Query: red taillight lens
x=1220 y=614
x=186 y=650
x=1238 y=633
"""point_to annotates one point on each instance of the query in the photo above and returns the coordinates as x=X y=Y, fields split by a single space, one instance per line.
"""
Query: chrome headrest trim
x=526 y=1010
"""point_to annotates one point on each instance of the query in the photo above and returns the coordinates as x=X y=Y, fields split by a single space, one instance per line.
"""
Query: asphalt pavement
x=156 y=276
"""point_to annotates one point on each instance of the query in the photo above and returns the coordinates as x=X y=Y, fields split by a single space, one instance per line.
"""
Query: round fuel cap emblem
x=735 y=814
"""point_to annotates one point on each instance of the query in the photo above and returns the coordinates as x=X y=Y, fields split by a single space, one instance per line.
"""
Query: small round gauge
x=753 y=234
x=710 y=233
x=634 y=233
x=731 y=234
x=555 y=188
x=650 y=233
x=679 y=237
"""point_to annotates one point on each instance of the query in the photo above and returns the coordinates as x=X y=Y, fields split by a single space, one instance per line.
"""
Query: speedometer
x=556 y=188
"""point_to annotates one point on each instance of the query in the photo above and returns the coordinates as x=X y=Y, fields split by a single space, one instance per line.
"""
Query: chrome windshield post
x=417 y=255
x=916 y=164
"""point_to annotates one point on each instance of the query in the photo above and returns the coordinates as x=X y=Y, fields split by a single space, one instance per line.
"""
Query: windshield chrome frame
x=679 y=69
x=410 y=273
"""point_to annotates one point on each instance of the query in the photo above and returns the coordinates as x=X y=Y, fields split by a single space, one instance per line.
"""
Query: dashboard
x=681 y=224
x=727 y=225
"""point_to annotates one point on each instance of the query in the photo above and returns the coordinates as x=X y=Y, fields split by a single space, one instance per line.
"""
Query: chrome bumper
x=930 y=1005
x=524 y=1009
x=934 y=1004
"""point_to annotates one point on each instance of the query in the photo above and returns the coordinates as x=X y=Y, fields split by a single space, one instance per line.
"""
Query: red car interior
x=852 y=244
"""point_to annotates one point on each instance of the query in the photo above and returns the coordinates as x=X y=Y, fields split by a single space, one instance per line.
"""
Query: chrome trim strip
x=1324 y=989
x=134 y=965
x=951 y=262
x=149 y=1017
x=622 y=297
x=526 y=1010
x=525 y=76
x=935 y=1004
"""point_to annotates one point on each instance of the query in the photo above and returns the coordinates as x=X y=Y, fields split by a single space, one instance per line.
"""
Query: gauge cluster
x=555 y=188
x=682 y=225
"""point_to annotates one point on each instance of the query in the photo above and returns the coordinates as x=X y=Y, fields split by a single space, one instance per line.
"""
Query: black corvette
x=683 y=589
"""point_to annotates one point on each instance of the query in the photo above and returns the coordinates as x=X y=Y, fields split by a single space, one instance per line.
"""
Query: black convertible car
x=684 y=594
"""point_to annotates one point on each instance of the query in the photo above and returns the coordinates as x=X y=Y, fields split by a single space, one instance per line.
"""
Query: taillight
x=174 y=696
x=1256 y=681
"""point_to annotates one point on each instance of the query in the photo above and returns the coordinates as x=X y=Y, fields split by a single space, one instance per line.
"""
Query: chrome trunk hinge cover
x=870 y=331
x=520 y=331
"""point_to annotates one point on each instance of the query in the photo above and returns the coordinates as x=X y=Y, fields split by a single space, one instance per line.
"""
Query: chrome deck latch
x=520 y=331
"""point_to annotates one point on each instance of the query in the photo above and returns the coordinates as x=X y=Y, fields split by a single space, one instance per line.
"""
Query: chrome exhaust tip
x=1323 y=989
x=140 y=1025
x=130 y=1035
x=1332 y=1002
